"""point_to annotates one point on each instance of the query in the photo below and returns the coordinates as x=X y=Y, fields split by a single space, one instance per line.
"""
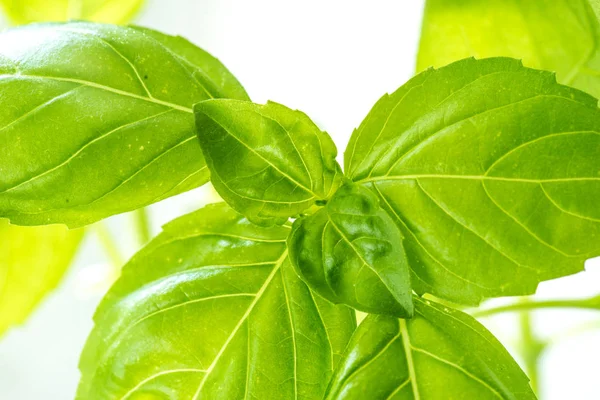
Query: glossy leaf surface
x=110 y=11
x=96 y=120
x=32 y=262
x=267 y=161
x=212 y=309
x=439 y=354
x=491 y=171
x=351 y=252
x=555 y=35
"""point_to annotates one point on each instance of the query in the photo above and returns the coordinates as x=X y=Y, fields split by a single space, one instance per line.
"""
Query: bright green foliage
x=111 y=11
x=96 y=120
x=351 y=252
x=477 y=180
x=491 y=171
x=267 y=161
x=439 y=354
x=555 y=35
x=32 y=262
x=212 y=309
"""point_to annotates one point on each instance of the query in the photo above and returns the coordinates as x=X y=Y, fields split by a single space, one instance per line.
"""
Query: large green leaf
x=556 y=35
x=267 y=161
x=212 y=309
x=492 y=172
x=439 y=354
x=351 y=252
x=96 y=120
x=111 y=11
x=32 y=262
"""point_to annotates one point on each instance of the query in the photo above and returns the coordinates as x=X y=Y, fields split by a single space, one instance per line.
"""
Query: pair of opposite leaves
x=271 y=163
x=435 y=204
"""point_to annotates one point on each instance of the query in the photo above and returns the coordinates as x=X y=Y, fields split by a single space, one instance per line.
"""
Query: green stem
x=142 y=223
x=591 y=303
x=531 y=347
x=110 y=246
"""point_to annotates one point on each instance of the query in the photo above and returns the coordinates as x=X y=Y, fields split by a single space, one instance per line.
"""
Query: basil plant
x=476 y=180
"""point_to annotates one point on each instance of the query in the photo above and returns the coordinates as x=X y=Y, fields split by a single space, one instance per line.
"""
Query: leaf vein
x=157 y=375
x=401 y=220
x=403 y=331
x=459 y=368
x=435 y=135
x=100 y=87
x=240 y=323
x=81 y=149
x=564 y=210
x=309 y=191
x=472 y=230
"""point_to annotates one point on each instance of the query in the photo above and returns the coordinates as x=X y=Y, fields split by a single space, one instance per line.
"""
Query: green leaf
x=491 y=171
x=211 y=309
x=439 y=354
x=111 y=11
x=267 y=161
x=559 y=35
x=351 y=252
x=32 y=262
x=96 y=120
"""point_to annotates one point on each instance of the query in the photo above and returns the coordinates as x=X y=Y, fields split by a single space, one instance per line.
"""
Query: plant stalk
x=591 y=303
x=110 y=246
x=142 y=224
x=531 y=347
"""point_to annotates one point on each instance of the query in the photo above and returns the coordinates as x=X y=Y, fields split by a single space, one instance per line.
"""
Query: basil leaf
x=112 y=11
x=96 y=120
x=556 y=35
x=491 y=171
x=439 y=354
x=212 y=308
x=267 y=161
x=351 y=252
x=32 y=262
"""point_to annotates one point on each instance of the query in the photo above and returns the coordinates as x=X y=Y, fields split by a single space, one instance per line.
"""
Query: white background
x=332 y=59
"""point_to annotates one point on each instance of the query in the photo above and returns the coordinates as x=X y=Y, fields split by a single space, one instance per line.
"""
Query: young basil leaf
x=111 y=11
x=211 y=309
x=351 y=252
x=439 y=354
x=32 y=262
x=557 y=36
x=96 y=120
x=267 y=161
x=491 y=171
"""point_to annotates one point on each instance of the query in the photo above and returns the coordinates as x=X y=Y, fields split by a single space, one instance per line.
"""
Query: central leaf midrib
x=240 y=323
x=409 y=359
x=474 y=177
x=392 y=292
x=92 y=141
x=102 y=87
x=295 y=182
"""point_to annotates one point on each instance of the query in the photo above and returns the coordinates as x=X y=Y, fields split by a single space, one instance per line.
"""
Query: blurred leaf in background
x=32 y=262
x=111 y=11
x=555 y=35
